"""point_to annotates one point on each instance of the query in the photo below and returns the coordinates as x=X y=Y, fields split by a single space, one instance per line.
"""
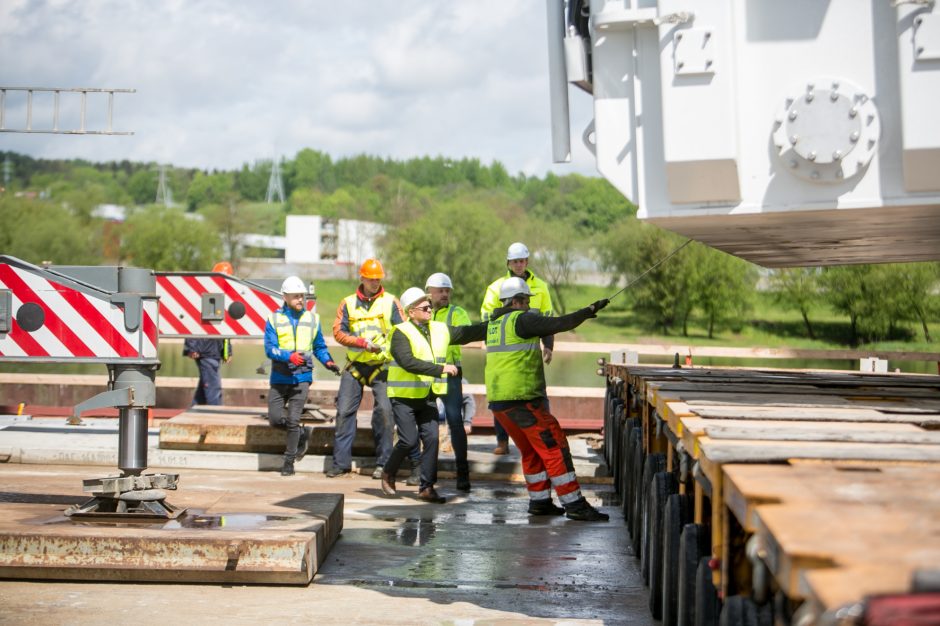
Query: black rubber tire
x=694 y=544
x=707 y=606
x=636 y=513
x=742 y=611
x=680 y=510
x=613 y=464
x=652 y=465
x=626 y=464
x=663 y=486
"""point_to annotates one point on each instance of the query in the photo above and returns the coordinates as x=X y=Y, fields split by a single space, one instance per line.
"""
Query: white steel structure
x=803 y=132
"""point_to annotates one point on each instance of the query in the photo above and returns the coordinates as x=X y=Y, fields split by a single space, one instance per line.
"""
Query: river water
x=568 y=369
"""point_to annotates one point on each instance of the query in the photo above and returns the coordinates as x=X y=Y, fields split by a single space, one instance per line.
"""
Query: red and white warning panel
x=201 y=304
x=47 y=316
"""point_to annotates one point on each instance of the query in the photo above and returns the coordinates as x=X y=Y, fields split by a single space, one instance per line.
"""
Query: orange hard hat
x=371 y=268
x=223 y=267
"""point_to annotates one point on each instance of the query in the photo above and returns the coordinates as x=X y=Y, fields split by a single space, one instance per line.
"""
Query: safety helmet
x=512 y=287
x=293 y=284
x=223 y=267
x=371 y=268
x=517 y=251
x=412 y=296
x=440 y=280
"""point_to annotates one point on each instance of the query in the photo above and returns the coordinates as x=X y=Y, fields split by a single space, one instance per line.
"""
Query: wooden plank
x=822 y=414
x=862 y=432
x=736 y=451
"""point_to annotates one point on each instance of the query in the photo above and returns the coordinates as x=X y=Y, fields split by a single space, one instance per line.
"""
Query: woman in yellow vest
x=417 y=376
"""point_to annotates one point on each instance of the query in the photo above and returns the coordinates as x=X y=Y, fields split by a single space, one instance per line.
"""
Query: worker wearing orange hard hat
x=223 y=267
x=363 y=322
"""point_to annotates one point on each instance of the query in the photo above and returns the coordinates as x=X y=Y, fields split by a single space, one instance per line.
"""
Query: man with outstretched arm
x=515 y=390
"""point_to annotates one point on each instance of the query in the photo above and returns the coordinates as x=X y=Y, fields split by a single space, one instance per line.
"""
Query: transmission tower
x=275 y=184
x=164 y=194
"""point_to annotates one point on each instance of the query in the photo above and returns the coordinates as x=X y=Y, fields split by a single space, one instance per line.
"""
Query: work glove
x=297 y=358
x=365 y=344
x=597 y=306
x=333 y=367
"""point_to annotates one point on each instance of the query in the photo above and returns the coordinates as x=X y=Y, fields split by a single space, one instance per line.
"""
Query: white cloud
x=224 y=83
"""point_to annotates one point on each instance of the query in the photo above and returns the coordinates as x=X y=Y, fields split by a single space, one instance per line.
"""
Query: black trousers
x=292 y=398
x=416 y=419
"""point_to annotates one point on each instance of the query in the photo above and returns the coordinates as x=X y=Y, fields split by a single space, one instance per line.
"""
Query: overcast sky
x=225 y=82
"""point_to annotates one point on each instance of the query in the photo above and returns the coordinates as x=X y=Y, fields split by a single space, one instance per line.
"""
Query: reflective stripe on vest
x=454 y=353
x=299 y=339
x=404 y=384
x=372 y=324
x=514 y=368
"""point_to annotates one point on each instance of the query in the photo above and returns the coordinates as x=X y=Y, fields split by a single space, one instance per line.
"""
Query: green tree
x=168 y=239
x=438 y=242
x=142 y=186
x=915 y=292
x=797 y=288
x=865 y=294
x=38 y=231
x=723 y=286
x=209 y=189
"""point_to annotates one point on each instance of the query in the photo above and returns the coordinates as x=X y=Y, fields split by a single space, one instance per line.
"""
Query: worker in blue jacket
x=292 y=337
x=209 y=353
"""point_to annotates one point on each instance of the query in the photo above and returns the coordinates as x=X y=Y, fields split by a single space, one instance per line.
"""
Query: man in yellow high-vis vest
x=292 y=338
x=515 y=390
x=416 y=378
x=517 y=265
x=439 y=287
x=363 y=322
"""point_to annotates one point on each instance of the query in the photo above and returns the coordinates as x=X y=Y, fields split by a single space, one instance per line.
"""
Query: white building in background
x=314 y=239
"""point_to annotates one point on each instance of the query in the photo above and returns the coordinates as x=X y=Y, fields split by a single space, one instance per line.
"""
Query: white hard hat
x=517 y=251
x=412 y=296
x=440 y=280
x=293 y=284
x=513 y=287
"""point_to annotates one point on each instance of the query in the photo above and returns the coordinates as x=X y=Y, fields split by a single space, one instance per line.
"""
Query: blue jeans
x=209 y=390
x=453 y=412
x=348 y=400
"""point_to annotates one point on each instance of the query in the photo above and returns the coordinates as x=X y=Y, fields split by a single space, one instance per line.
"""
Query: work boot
x=287 y=469
x=544 y=507
x=584 y=512
x=388 y=484
x=414 y=479
x=302 y=443
x=377 y=472
x=336 y=471
x=502 y=447
x=463 y=482
x=429 y=494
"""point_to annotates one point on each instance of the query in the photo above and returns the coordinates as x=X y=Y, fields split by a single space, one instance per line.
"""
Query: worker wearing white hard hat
x=292 y=338
x=439 y=288
x=517 y=263
x=516 y=392
x=416 y=378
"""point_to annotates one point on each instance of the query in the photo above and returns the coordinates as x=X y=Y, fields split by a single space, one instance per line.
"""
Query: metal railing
x=57 y=91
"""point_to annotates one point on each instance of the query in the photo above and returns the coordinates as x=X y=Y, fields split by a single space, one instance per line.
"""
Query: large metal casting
x=785 y=133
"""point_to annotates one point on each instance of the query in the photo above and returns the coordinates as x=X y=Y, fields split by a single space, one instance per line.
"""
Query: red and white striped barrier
x=237 y=308
x=47 y=316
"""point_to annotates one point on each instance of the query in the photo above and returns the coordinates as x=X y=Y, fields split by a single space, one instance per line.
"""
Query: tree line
x=456 y=216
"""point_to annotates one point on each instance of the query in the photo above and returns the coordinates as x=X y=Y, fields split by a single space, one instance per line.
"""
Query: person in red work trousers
x=363 y=322
x=515 y=389
x=292 y=337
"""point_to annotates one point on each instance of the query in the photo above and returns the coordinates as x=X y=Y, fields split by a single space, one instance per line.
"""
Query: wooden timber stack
x=771 y=496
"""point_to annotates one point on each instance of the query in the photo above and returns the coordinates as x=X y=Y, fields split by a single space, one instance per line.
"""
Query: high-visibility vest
x=514 y=369
x=539 y=302
x=404 y=384
x=294 y=339
x=452 y=316
x=372 y=324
